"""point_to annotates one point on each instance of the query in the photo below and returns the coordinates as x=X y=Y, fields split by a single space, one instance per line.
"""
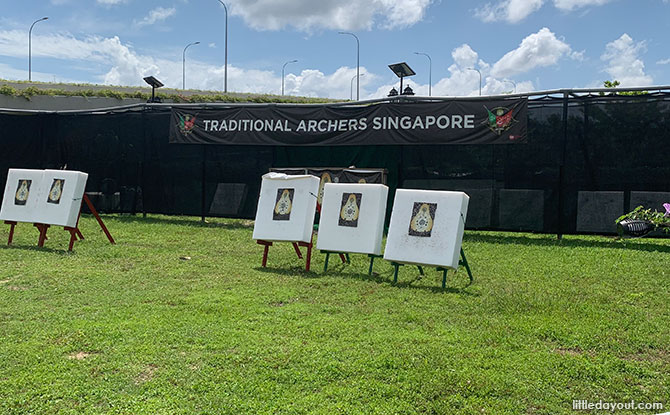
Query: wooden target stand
x=75 y=233
x=462 y=261
x=296 y=246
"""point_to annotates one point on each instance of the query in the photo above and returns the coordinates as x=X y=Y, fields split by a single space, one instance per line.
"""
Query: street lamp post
x=30 y=46
x=282 y=74
x=358 y=63
x=480 y=79
x=183 y=65
x=225 y=53
x=430 y=71
x=351 y=86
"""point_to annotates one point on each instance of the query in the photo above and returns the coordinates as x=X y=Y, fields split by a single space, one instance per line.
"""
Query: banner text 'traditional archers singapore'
x=453 y=122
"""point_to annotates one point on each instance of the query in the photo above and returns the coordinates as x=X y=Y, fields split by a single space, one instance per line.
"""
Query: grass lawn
x=179 y=318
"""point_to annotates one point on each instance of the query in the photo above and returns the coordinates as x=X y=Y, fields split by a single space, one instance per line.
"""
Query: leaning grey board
x=228 y=199
x=650 y=200
x=480 y=192
x=521 y=209
x=597 y=211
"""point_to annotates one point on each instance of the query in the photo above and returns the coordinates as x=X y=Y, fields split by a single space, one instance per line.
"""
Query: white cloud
x=110 y=61
x=463 y=81
x=156 y=15
x=663 y=61
x=511 y=11
x=111 y=2
x=570 y=5
x=308 y=15
x=464 y=56
x=514 y=11
x=116 y=63
x=623 y=62
x=536 y=50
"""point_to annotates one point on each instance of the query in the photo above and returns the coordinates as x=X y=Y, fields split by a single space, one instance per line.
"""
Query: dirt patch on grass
x=4 y=281
x=651 y=355
x=16 y=288
x=570 y=351
x=79 y=355
x=282 y=303
x=146 y=375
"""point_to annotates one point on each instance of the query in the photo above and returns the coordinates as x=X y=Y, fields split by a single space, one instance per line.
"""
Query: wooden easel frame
x=296 y=246
x=75 y=233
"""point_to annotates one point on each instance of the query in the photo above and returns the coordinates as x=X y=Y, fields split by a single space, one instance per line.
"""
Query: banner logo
x=186 y=123
x=499 y=119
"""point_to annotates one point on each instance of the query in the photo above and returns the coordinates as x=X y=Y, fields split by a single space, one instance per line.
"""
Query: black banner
x=451 y=122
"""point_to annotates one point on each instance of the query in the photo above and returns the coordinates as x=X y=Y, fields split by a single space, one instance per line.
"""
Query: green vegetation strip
x=179 y=318
x=31 y=91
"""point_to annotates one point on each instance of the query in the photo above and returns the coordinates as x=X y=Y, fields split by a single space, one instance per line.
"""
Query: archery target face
x=61 y=194
x=350 y=210
x=21 y=195
x=427 y=227
x=352 y=218
x=286 y=207
x=283 y=205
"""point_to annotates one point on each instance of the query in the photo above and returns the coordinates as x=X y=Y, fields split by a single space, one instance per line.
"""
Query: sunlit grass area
x=179 y=318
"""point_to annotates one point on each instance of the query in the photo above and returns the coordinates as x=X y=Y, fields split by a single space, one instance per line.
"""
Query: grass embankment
x=139 y=328
x=192 y=96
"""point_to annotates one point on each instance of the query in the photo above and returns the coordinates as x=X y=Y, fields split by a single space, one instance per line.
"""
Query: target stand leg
x=297 y=250
x=325 y=263
x=344 y=257
x=444 y=276
x=395 y=271
x=463 y=261
x=98 y=218
x=12 y=225
x=266 y=249
x=43 y=228
x=73 y=237
x=308 y=258
x=372 y=262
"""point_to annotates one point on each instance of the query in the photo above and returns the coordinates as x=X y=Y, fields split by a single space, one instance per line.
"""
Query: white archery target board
x=352 y=218
x=60 y=197
x=286 y=208
x=427 y=227
x=19 y=202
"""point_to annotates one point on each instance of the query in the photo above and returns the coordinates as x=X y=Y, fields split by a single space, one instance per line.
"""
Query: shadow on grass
x=339 y=271
x=293 y=271
x=36 y=248
x=180 y=220
x=568 y=243
x=421 y=282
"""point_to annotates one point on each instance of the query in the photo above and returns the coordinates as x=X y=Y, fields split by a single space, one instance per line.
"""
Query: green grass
x=46 y=89
x=133 y=328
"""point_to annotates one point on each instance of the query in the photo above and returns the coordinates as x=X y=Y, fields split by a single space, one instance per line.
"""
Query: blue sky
x=527 y=45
